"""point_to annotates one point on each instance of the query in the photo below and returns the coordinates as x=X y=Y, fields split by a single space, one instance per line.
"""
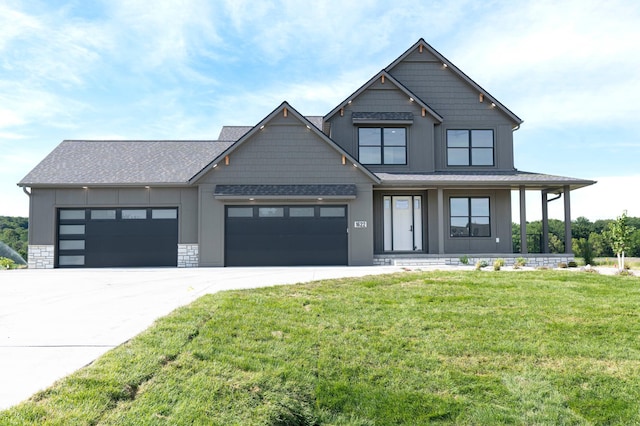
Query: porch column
x=523 y=221
x=545 y=222
x=440 y=221
x=567 y=220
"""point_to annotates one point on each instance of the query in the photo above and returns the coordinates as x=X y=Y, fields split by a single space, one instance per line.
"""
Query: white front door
x=402 y=223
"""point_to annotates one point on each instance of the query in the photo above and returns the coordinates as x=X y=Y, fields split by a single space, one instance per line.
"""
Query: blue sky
x=139 y=69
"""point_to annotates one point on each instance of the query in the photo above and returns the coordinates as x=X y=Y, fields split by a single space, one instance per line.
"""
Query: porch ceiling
x=489 y=179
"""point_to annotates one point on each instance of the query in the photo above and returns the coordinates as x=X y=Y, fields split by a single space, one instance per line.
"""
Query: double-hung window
x=469 y=217
x=470 y=148
x=382 y=145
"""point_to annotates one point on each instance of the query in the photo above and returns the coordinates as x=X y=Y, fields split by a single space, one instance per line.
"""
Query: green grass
x=543 y=347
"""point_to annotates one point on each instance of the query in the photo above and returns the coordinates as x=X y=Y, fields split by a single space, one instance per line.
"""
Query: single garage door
x=285 y=235
x=96 y=238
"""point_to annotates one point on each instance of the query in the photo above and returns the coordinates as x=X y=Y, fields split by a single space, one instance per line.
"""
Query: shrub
x=624 y=272
x=481 y=264
x=464 y=260
x=497 y=264
x=562 y=265
x=519 y=263
x=6 y=263
x=572 y=264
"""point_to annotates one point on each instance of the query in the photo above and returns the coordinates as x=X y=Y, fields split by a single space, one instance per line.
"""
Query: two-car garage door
x=117 y=237
x=285 y=235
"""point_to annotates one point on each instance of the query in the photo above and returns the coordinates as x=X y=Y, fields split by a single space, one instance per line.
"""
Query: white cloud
x=559 y=62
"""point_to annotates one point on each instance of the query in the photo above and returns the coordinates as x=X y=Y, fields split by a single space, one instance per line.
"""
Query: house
x=418 y=162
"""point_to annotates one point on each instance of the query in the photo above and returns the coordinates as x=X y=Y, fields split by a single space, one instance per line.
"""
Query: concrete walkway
x=53 y=322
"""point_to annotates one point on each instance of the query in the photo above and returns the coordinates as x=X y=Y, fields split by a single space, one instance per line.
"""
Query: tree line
x=589 y=239
x=13 y=232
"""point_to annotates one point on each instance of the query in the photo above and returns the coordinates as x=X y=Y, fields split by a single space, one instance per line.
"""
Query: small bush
x=562 y=265
x=481 y=264
x=624 y=272
x=572 y=264
x=519 y=263
x=6 y=263
x=497 y=264
x=464 y=260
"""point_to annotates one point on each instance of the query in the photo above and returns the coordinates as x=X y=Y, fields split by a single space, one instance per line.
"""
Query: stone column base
x=188 y=255
x=41 y=257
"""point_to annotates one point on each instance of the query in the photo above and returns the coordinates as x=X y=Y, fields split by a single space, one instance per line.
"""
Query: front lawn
x=542 y=347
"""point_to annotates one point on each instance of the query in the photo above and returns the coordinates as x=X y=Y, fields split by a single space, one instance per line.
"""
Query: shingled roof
x=81 y=162
x=286 y=191
x=233 y=133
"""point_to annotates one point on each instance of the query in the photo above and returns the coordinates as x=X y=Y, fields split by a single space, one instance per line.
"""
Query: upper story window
x=470 y=148
x=469 y=217
x=382 y=145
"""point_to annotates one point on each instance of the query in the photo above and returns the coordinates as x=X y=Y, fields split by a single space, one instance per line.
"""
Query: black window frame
x=470 y=216
x=382 y=145
x=470 y=148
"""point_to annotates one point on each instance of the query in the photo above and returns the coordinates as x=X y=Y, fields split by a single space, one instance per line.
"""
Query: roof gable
x=384 y=76
x=284 y=110
x=423 y=47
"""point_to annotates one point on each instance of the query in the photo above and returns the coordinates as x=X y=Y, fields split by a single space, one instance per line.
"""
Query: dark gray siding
x=500 y=205
x=458 y=102
x=388 y=98
x=284 y=152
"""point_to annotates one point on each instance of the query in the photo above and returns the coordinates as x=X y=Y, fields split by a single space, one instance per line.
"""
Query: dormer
x=385 y=126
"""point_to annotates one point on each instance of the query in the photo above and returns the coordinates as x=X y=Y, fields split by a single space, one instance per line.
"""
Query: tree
x=619 y=235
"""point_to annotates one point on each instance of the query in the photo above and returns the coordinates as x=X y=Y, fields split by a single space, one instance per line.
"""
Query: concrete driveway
x=53 y=322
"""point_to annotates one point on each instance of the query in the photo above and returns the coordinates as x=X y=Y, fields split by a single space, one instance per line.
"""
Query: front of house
x=417 y=162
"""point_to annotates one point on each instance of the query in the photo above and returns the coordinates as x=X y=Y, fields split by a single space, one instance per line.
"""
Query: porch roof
x=508 y=179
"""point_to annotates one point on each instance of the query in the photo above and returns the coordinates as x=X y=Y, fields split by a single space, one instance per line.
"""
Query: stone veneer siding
x=188 y=255
x=534 y=261
x=41 y=257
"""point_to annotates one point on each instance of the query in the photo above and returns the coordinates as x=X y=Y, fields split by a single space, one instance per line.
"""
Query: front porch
x=414 y=259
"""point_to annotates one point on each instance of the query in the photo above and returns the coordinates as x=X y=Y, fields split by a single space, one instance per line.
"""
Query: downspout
x=545 y=221
x=24 y=189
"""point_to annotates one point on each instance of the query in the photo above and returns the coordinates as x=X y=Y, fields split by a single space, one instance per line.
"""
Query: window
x=382 y=145
x=331 y=211
x=134 y=214
x=470 y=148
x=271 y=212
x=301 y=212
x=103 y=214
x=164 y=214
x=469 y=217
x=71 y=230
x=239 y=211
x=72 y=214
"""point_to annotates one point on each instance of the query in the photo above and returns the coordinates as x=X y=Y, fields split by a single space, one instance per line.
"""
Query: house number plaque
x=360 y=224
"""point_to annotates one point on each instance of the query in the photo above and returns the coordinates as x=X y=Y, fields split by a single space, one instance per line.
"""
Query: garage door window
x=331 y=211
x=71 y=229
x=71 y=245
x=134 y=214
x=240 y=212
x=72 y=214
x=301 y=212
x=164 y=214
x=271 y=212
x=71 y=260
x=103 y=214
